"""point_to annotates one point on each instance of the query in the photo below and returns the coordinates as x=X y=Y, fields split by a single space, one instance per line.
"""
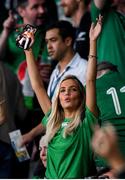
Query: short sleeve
x=45 y=118
x=90 y=117
x=89 y=122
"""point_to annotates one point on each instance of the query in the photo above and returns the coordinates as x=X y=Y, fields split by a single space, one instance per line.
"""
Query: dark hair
x=106 y=65
x=52 y=14
x=22 y=3
x=65 y=29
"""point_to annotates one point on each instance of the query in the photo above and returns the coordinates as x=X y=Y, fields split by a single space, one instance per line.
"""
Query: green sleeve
x=45 y=118
x=89 y=122
x=90 y=117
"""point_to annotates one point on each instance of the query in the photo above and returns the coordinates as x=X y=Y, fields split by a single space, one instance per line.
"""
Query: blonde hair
x=57 y=114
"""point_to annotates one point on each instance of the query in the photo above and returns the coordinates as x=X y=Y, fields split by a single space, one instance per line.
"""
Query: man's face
x=55 y=44
x=34 y=13
x=69 y=7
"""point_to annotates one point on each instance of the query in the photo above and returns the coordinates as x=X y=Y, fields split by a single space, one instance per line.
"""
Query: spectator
x=110 y=100
x=59 y=38
x=68 y=61
x=36 y=13
x=14 y=112
x=33 y=13
x=81 y=18
x=105 y=143
x=69 y=102
x=111 y=43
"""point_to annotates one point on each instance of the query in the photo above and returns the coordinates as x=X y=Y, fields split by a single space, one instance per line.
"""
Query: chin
x=67 y=14
x=40 y=23
x=68 y=107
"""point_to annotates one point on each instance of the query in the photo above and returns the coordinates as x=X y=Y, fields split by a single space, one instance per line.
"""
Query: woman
x=71 y=118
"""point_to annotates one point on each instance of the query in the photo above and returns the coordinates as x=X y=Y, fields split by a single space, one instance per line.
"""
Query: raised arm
x=8 y=25
x=91 y=69
x=36 y=82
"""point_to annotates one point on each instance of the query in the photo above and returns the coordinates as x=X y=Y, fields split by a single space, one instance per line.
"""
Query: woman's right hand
x=26 y=39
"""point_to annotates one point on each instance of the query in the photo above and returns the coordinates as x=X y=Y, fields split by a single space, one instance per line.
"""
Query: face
x=55 y=45
x=69 y=95
x=34 y=13
x=69 y=7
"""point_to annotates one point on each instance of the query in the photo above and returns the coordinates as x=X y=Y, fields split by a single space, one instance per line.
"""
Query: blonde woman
x=70 y=119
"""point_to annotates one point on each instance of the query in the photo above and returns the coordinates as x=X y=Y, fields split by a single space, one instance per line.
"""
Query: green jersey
x=111 y=42
x=110 y=90
x=71 y=157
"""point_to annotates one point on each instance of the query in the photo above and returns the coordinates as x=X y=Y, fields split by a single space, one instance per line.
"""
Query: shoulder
x=82 y=64
x=80 y=60
x=90 y=116
x=45 y=118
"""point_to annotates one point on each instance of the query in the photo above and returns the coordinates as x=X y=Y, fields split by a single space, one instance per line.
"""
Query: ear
x=21 y=11
x=68 y=41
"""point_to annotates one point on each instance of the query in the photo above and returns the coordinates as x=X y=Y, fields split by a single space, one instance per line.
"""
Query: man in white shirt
x=60 y=39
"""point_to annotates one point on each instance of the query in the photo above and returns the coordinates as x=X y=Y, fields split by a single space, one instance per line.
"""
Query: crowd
x=62 y=85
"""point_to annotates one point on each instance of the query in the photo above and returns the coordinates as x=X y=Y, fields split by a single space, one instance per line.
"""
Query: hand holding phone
x=25 y=39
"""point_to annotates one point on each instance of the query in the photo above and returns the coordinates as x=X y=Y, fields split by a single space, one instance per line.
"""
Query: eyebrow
x=69 y=86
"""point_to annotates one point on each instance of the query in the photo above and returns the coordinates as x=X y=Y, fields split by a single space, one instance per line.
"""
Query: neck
x=65 y=61
x=77 y=16
x=69 y=113
x=25 y=21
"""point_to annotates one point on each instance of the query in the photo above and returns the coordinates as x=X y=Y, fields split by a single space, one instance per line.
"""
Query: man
x=78 y=11
x=60 y=42
x=33 y=12
x=111 y=43
x=110 y=100
x=13 y=111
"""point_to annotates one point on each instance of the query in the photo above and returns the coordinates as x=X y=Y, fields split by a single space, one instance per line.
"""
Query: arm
x=8 y=25
x=91 y=69
x=37 y=83
x=28 y=137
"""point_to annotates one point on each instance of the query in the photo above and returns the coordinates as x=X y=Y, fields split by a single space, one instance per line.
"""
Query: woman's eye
x=62 y=90
x=73 y=89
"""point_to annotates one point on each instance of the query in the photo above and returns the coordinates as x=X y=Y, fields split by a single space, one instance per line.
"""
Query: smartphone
x=24 y=39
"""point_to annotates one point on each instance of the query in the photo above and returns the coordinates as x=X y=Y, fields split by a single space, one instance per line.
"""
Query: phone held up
x=24 y=39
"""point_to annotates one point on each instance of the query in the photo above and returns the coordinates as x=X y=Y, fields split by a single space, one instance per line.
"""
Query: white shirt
x=77 y=67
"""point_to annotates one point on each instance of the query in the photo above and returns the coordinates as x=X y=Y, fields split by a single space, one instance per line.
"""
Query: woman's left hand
x=95 y=29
